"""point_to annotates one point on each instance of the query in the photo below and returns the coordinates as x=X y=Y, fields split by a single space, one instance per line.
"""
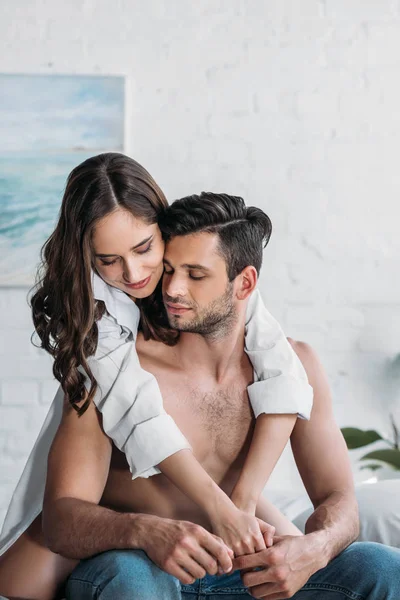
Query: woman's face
x=128 y=253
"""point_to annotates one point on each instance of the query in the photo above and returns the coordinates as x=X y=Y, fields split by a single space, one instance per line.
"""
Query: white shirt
x=131 y=403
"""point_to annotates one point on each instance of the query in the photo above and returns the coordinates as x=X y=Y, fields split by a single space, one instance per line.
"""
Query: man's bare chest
x=216 y=419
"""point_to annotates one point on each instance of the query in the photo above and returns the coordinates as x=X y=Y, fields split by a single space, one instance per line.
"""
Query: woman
x=86 y=311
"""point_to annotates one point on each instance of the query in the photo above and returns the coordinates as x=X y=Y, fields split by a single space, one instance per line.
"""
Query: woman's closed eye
x=112 y=262
x=147 y=249
x=107 y=264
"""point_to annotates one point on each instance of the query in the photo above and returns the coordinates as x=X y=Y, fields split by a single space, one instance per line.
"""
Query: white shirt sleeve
x=130 y=402
x=281 y=385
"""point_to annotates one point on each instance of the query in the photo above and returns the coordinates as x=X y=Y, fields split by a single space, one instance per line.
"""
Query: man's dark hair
x=243 y=231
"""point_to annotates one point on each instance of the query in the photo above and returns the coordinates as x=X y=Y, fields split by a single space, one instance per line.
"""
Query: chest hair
x=223 y=416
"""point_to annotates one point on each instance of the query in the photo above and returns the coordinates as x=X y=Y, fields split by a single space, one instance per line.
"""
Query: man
x=203 y=380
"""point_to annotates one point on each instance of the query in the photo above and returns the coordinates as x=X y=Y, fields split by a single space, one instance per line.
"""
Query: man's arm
x=78 y=466
x=322 y=459
x=75 y=525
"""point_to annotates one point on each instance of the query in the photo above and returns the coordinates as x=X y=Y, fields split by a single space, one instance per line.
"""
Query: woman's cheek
x=102 y=272
x=157 y=257
x=110 y=273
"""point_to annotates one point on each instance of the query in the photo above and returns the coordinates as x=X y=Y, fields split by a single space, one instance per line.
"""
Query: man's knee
x=371 y=556
x=376 y=566
x=121 y=574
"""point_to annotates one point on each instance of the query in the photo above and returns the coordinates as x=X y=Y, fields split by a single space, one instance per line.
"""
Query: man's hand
x=286 y=567
x=186 y=550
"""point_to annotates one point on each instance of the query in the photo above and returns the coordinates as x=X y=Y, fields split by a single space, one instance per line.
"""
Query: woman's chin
x=143 y=292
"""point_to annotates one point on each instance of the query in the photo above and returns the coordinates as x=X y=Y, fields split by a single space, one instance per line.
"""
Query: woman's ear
x=247 y=282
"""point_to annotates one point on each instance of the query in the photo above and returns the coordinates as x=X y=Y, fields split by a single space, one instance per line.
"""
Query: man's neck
x=217 y=356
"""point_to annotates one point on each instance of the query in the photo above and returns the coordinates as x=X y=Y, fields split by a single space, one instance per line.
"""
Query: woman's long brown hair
x=64 y=310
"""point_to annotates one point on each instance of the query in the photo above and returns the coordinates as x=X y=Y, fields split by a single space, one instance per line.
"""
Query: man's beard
x=214 y=322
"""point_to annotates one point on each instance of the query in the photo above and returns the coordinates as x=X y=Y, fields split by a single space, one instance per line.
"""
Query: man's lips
x=176 y=309
x=139 y=284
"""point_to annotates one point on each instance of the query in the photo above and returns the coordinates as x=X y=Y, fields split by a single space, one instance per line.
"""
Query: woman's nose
x=132 y=272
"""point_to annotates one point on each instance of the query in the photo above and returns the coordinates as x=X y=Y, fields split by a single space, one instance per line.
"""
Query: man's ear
x=247 y=281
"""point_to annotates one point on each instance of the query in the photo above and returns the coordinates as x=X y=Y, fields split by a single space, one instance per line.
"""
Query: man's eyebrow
x=199 y=267
x=188 y=266
x=133 y=248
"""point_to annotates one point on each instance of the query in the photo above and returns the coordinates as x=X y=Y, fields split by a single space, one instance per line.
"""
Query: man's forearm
x=79 y=529
x=334 y=525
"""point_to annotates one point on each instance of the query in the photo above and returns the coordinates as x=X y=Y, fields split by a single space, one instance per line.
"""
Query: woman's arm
x=183 y=469
x=241 y=531
x=271 y=434
x=133 y=416
x=266 y=511
x=76 y=526
x=280 y=393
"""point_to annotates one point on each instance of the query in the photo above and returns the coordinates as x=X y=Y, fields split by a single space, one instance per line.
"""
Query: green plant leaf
x=389 y=456
x=356 y=438
x=372 y=467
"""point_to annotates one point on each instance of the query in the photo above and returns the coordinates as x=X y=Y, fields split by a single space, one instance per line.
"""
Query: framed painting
x=48 y=125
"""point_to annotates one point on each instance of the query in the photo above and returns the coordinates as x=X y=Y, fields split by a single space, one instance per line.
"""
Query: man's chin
x=175 y=322
x=178 y=322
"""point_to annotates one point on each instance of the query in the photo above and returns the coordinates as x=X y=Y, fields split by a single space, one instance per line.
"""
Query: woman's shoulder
x=115 y=342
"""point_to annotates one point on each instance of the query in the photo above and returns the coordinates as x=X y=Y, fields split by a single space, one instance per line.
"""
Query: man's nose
x=174 y=286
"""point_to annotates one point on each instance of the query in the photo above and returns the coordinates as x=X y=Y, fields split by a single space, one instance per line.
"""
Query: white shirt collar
x=118 y=304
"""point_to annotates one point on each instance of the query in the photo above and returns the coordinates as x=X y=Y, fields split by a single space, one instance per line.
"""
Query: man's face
x=197 y=294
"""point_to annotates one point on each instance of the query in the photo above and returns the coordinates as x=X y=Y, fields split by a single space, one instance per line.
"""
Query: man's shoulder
x=308 y=357
x=316 y=375
x=303 y=350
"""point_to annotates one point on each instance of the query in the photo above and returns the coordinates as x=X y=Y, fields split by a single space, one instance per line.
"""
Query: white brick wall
x=294 y=105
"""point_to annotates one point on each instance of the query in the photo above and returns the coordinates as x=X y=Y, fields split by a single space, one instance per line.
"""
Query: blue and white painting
x=48 y=125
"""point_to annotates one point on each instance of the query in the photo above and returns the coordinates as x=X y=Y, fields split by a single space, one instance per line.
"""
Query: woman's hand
x=242 y=532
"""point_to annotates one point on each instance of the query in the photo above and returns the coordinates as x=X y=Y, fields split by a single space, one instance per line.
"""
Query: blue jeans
x=363 y=571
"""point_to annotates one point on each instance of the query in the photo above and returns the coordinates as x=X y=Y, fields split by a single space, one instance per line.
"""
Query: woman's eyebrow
x=133 y=248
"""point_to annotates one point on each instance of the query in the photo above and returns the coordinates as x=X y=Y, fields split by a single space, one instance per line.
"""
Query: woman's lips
x=139 y=285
